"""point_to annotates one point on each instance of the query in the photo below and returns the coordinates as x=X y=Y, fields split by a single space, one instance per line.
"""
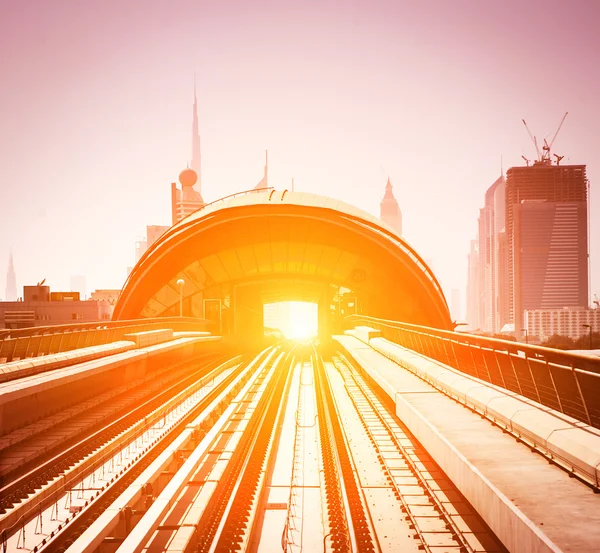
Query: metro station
x=186 y=424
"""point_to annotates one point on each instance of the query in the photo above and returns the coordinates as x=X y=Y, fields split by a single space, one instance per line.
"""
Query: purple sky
x=95 y=114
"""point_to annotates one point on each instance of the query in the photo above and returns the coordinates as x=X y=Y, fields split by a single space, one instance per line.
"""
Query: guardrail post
x=427 y=344
x=441 y=350
x=470 y=346
x=554 y=385
x=456 y=361
x=537 y=392
x=498 y=367
x=515 y=373
x=583 y=402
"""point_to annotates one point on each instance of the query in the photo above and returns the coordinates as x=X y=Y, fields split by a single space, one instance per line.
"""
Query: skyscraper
x=390 y=210
x=189 y=198
x=264 y=182
x=490 y=234
x=547 y=238
x=11 y=281
x=196 y=163
x=473 y=287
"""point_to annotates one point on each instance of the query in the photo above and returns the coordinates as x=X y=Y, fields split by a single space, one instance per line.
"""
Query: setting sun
x=295 y=319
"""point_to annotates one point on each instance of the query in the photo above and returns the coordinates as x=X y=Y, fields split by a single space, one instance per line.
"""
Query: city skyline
x=338 y=117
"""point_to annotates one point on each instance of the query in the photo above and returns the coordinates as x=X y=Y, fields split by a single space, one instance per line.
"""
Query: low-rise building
x=570 y=321
x=40 y=307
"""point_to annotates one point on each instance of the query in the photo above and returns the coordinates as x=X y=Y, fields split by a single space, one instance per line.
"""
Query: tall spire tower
x=390 y=210
x=11 y=280
x=196 y=164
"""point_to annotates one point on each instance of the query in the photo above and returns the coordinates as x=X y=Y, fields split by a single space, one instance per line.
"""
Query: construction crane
x=558 y=158
x=544 y=156
x=526 y=160
x=534 y=140
x=596 y=302
x=557 y=130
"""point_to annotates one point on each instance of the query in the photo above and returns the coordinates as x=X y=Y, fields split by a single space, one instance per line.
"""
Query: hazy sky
x=96 y=96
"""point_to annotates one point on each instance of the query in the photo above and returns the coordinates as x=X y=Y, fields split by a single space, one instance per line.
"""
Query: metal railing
x=564 y=381
x=24 y=343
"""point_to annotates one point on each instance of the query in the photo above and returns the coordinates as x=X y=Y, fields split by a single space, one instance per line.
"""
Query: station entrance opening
x=227 y=260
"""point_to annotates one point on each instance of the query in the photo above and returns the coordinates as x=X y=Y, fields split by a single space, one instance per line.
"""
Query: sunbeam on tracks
x=295 y=450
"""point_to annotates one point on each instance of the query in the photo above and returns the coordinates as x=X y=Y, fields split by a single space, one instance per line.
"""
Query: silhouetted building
x=196 y=163
x=473 y=299
x=108 y=296
x=189 y=198
x=547 y=238
x=492 y=283
x=186 y=200
x=154 y=232
x=140 y=247
x=11 y=280
x=573 y=322
x=390 y=210
x=40 y=307
x=264 y=182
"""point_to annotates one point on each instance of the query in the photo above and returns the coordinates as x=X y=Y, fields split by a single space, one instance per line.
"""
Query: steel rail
x=339 y=472
x=286 y=536
x=237 y=523
x=140 y=536
x=193 y=428
x=74 y=462
x=132 y=392
x=375 y=410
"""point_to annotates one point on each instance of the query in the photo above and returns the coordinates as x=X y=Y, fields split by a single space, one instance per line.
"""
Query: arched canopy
x=274 y=237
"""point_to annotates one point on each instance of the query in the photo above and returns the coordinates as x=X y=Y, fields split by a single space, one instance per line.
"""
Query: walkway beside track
x=530 y=504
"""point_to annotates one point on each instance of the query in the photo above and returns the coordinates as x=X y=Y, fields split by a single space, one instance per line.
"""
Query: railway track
x=296 y=450
x=89 y=466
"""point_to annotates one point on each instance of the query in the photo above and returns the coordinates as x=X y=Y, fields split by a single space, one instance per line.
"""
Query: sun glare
x=296 y=320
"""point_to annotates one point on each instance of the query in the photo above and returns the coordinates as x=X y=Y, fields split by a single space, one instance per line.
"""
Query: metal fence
x=567 y=382
x=35 y=341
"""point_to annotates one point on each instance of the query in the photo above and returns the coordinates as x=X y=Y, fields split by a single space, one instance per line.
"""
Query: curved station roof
x=298 y=238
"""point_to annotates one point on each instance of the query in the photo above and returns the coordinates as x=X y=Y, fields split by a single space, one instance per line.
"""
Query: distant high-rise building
x=187 y=200
x=154 y=232
x=473 y=299
x=547 y=241
x=490 y=235
x=11 y=280
x=140 y=248
x=196 y=163
x=78 y=284
x=390 y=210
x=264 y=182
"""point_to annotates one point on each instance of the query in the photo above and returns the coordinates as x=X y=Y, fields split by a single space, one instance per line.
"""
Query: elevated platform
x=531 y=504
x=27 y=399
x=45 y=363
